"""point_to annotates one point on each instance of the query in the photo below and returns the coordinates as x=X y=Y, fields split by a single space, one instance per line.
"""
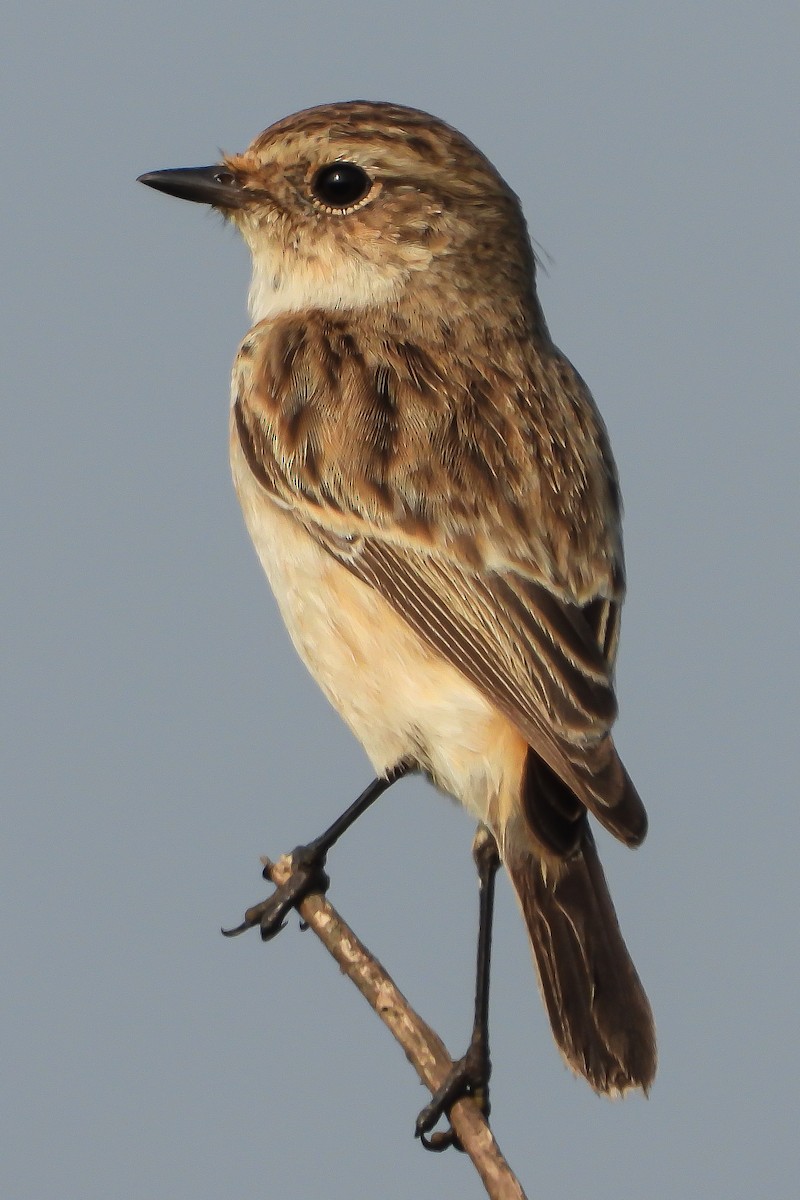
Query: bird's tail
x=598 y=1009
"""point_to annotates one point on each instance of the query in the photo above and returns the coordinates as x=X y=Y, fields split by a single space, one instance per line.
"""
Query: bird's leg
x=308 y=863
x=469 y=1076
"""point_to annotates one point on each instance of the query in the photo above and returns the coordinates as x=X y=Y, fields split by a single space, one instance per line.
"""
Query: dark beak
x=204 y=185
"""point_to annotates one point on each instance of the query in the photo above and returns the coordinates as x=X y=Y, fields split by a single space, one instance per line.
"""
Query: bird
x=431 y=491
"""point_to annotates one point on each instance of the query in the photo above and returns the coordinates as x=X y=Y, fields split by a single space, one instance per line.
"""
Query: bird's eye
x=340 y=185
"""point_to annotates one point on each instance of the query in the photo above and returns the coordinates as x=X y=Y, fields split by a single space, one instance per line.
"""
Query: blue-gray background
x=160 y=733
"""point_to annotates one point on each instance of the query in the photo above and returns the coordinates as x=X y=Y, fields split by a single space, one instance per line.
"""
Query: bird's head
x=346 y=206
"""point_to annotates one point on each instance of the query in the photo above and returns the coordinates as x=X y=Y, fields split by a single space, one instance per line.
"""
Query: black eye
x=341 y=185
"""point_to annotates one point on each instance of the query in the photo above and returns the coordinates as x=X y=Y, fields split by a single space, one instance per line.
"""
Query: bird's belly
x=401 y=700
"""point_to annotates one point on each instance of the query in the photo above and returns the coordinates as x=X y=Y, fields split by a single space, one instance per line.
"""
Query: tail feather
x=598 y=1009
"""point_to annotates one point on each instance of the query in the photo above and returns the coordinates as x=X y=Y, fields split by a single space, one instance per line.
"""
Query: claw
x=469 y=1077
x=440 y=1141
x=308 y=861
x=307 y=876
x=245 y=925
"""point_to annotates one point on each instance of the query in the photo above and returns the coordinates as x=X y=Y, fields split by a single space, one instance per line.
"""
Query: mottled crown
x=393 y=131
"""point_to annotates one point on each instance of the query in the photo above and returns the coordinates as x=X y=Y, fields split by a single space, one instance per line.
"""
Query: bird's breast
x=400 y=699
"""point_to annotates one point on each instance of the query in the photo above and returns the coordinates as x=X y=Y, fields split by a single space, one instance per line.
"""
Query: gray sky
x=161 y=733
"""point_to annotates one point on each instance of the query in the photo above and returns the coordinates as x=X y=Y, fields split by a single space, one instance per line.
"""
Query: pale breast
x=398 y=697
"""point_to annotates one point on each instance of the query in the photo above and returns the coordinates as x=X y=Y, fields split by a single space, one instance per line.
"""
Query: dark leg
x=308 y=864
x=470 y=1074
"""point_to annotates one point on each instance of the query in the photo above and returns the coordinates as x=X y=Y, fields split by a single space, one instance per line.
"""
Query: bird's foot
x=468 y=1077
x=308 y=876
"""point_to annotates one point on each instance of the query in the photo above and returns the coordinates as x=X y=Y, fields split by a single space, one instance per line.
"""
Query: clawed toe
x=469 y=1077
x=307 y=877
x=308 y=862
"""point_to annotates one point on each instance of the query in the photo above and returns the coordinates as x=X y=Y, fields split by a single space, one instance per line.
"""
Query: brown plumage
x=431 y=491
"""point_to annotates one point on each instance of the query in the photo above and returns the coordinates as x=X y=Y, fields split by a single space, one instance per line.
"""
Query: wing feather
x=563 y=712
x=462 y=534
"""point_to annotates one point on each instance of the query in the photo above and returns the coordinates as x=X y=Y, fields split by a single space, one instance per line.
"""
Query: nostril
x=225 y=178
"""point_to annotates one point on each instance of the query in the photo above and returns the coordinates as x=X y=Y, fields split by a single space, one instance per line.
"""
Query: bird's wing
x=533 y=655
x=543 y=659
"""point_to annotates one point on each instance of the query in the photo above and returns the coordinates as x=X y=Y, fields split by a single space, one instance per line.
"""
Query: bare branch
x=423 y=1048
